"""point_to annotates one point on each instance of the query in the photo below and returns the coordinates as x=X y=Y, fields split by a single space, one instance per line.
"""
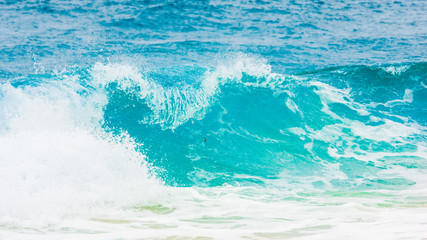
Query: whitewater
x=213 y=120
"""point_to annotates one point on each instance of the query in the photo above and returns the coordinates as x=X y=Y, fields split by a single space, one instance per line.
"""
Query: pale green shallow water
x=241 y=213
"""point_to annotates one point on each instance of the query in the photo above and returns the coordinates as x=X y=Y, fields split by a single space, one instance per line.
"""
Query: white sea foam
x=329 y=94
x=235 y=213
x=55 y=160
x=388 y=130
x=345 y=136
x=396 y=70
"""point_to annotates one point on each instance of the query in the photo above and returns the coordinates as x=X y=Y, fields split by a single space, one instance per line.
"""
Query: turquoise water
x=217 y=120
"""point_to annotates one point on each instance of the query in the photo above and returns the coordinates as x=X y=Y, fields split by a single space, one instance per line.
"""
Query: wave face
x=240 y=123
x=213 y=120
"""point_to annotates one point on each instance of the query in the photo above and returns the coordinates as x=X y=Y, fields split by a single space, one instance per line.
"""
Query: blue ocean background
x=147 y=111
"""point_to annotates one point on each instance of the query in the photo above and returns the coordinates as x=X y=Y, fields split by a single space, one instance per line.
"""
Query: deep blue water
x=292 y=35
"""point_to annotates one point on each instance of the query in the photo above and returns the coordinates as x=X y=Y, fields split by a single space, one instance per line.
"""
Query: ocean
x=213 y=119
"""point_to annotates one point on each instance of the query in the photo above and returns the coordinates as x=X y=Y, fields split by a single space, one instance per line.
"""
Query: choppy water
x=213 y=120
